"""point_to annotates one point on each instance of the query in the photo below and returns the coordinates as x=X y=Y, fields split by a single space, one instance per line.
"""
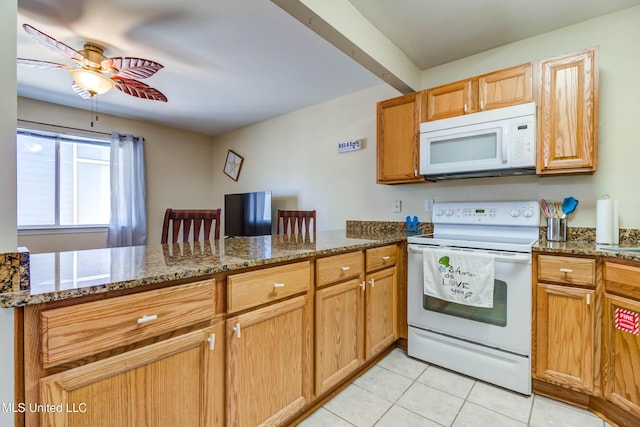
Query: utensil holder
x=557 y=229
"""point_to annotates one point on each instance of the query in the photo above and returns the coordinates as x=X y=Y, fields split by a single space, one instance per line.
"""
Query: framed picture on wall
x=233 y=165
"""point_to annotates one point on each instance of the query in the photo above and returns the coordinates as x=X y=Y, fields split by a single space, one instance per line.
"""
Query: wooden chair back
x=186 y=219
x=292 y=219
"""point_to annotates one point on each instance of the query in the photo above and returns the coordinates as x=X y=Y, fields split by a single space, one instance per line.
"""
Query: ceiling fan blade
x=53 y=44
x=42 y=64
x=135 y=68
x=138 y=89
x=84 y=94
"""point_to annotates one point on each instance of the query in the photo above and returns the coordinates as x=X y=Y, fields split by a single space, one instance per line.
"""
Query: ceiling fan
x=94 y=73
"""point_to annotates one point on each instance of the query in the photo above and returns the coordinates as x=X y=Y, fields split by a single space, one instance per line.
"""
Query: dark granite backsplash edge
x=14 y=270
x=386 y=227
x=582 y=234
x=588 y=235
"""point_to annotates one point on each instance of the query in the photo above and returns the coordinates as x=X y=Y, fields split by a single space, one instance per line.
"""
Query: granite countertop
x=590 y=248
x=63 y=275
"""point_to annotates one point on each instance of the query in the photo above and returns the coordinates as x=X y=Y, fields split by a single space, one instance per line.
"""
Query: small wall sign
x=627 y=321
x=346 y=146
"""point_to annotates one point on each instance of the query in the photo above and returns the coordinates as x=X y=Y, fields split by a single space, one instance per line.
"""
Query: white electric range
x=491 y=344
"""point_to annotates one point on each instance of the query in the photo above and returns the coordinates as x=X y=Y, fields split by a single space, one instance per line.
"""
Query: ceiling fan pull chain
x=94 y=107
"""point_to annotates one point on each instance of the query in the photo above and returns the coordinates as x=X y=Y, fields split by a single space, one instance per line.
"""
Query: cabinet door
x=268 y=368
x=621 y=357
x=507 y=87
x=568 y=115
x=339 y=332
x=399 y=139
x=174 y=382
x=453 y=99
x=565 y=336
x=380 y=311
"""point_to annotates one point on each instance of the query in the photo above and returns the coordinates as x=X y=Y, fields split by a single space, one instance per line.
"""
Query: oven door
x=506 y=326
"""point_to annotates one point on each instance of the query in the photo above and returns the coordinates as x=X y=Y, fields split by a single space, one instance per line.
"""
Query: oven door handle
x=496 y=256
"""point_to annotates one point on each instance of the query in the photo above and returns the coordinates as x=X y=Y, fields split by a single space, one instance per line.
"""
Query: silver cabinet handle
x=146 y=319
x=372 y=282
x=386 y=258
x=465 y=108
x=566 y=270
x=237 y=330
x=212 y=341
x=363 y=285
x=344 y=268
x=278 y=285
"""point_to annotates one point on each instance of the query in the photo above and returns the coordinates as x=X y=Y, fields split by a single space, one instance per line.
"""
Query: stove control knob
x=515 y=213
x=439 y=212
x=528 y=213
x=448 y=212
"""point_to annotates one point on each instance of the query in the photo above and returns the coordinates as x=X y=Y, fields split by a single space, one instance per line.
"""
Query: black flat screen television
x=247 y=214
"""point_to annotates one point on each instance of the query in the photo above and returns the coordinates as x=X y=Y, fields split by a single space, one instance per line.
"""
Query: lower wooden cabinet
x=178 y=381
x=339 y=332
x=621 y=357
x=381 y=305
x=565 y=329
x=268 y=363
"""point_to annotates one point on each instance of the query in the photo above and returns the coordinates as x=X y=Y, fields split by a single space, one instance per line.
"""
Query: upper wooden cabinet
x=398 y=139
x=568 y=114
x=452 y=99
x=498 y=89
x=507 y=87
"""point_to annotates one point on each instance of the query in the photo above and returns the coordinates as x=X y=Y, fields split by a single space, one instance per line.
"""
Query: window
x=63 y=180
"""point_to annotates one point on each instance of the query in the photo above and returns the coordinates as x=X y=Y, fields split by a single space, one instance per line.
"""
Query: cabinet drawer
x=381 y=257
x=622 y=279
x=70 y=333
x=257 y=287
x=569 y=270
x=338 y=267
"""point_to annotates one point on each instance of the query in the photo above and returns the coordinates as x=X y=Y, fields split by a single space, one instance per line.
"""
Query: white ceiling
x=232 y=63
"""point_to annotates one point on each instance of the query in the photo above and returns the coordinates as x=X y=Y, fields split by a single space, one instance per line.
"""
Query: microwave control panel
x=523 y=141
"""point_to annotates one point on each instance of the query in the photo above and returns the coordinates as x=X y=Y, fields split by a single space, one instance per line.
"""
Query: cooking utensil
x=569 y=205
x=557 y=209
x=546 y=206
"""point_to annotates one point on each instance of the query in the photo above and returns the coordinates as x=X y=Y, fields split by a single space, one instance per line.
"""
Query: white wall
x=178 y=170
x=296 y=156
x=8 y=13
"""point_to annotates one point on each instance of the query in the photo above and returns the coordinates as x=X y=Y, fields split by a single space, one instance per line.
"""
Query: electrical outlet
x=428 y=205
x=396 y=206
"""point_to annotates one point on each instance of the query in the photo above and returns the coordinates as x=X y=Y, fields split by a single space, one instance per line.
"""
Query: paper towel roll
x=616 y=226
x=604 y=221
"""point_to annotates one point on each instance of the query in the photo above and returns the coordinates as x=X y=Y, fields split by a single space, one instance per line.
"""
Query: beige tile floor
x=402 y=391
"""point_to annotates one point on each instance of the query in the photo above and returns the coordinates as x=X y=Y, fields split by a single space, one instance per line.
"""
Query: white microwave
x=490 y=143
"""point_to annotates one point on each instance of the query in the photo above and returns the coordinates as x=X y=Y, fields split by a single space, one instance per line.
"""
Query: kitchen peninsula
x=232 y=332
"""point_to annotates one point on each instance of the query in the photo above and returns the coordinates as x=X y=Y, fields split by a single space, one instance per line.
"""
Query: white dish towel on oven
x=459 y=276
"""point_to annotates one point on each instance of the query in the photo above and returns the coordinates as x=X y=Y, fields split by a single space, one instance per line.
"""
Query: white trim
x=27 y=231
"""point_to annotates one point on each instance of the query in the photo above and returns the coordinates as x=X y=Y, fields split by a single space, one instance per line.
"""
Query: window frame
x=101 y=139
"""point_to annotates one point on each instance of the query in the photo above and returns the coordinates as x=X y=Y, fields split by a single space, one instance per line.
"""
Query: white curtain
x=128 y=226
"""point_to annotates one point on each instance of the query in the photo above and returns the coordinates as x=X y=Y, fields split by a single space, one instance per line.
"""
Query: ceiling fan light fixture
x=93 y=82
